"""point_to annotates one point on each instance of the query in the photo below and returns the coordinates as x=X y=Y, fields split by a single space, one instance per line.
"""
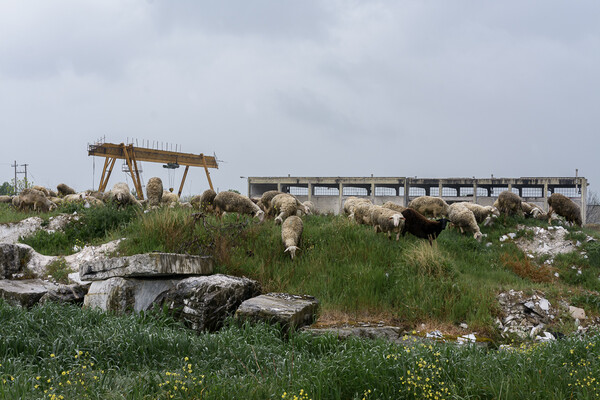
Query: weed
x=524 y=268
x=59 y=270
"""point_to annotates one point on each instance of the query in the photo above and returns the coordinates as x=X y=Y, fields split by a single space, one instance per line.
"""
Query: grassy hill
x=62 y=352
x=356 y=274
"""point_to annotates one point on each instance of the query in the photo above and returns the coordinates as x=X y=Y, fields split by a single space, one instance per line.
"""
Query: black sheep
x=421 y=227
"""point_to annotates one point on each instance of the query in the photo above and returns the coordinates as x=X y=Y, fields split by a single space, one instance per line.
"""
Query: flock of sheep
x=286 y=209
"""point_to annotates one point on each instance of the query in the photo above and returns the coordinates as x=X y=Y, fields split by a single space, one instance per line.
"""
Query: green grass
x=93 y=226
x=62 y=350
x=357 y=273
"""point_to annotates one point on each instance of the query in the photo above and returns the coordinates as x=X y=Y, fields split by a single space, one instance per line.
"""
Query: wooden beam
x=136 y=184
x=207 y=174
x=103 y=184
x=152 y=155
x=183 y=180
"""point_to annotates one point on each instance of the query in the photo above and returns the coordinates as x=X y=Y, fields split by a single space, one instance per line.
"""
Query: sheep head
x=292 y=250
x=396 y=218
x=260 y=214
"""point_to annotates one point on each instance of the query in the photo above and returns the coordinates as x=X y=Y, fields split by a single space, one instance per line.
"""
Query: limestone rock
x=146 y=266
x=25 y=293
x=73 y=294
x=125 y=295
x=204 y=302
x=289 y=311
x=576 y=312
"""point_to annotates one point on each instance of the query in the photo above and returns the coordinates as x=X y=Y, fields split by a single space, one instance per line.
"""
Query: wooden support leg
x=183 y=180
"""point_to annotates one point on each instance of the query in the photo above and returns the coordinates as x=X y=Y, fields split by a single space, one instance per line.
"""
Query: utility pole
x=15 y=165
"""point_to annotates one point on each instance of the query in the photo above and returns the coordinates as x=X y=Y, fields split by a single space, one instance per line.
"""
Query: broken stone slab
x=24 y=293
x=125 y=295
x=13 y=259
x=72 y=294
x=204 y=302
x=289 y=311
x=10 y=233
x=150 y=265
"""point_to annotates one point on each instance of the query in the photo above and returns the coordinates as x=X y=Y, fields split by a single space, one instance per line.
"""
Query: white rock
x=577 y=313
x=544 y=304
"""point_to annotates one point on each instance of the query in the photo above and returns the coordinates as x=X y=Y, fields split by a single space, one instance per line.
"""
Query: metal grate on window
x=325 y=191
x=416 y=192
x=532 y=192
x=384 y=191
x=299 y=191
x=497 y=190
x=354 y=191
x=449 y=192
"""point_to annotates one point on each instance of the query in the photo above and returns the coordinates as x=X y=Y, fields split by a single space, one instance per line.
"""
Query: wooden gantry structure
x=133 y=155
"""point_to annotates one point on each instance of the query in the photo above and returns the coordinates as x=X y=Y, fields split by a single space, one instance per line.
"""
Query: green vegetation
x=60 y=350
x=63 y=352
x=91 y=226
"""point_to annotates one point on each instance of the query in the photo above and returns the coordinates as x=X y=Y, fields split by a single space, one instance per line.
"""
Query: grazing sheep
x=509 y=203
x=56 y=200
x=265 y=200
x=310 y=208
x=97 y=194
x=64 y=190
x=283 y=205
x=351 y=202
x=421 y=227
x=386 y=220
x=154 y=191
x=533 y=210
x=234 y=202
x=83 y=198
x=463 y=218
x=393 y=206
x=42 y=189
x=362 y=213
x=481 y=213
x=5 y=199
x=169 y=199
x=35 y=200
x=429 y=206
x=73 y=198
x=121 y=195
x=207 y=200
x=564 y=207
x=291 y=233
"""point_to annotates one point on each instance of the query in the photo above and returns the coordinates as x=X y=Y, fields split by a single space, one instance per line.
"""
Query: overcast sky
x=307 y=88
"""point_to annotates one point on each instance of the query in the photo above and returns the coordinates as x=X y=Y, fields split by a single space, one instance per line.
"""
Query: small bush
x=428 y=260
x=59 y=270
x=524 y=268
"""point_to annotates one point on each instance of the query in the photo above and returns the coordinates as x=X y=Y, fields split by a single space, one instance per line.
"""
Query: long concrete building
x=329 y=193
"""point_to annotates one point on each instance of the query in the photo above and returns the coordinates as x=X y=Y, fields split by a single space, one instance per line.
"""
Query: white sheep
x=387 y=220
x=169 y=199
x=533 y=210
x=509 y=203
x=464 y=219
x=393 y=206
x=33 y=199
x=362 y=213
x=284 y=205
x=430 y=206
x=482 y=213
x=291 y=233
x=234 y=202
x=154 y=191
x=121 y=195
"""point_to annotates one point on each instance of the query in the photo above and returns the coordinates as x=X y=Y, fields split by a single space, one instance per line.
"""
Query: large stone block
x=25 y=293
x=125 y=295
x=290 y=311
x=151 y=265
x=204 y=302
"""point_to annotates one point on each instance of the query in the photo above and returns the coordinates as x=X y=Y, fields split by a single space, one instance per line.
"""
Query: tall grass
x=61 y=350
